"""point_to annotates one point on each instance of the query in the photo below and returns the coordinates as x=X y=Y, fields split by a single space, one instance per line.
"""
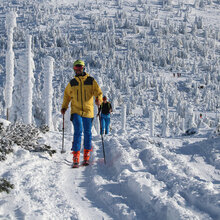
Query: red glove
x=63 y=110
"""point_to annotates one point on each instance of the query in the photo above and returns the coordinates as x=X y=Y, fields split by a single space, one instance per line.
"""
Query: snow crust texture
x=143 y=178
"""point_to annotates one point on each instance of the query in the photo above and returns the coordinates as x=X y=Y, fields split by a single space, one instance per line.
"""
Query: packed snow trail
x=47 y=188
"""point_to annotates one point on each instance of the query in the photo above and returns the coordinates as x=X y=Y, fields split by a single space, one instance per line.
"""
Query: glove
x=97 y=102
x=63 y=110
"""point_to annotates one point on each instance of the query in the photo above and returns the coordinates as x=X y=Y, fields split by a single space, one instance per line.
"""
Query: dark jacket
x=105 y=108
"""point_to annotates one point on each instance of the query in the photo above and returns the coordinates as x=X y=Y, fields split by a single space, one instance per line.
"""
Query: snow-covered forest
x=158 y=62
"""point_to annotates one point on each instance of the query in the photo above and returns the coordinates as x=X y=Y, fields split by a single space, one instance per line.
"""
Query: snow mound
x=4 y=123
x=143 y=179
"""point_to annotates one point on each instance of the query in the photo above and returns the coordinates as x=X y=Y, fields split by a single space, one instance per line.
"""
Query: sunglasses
x=78 y=67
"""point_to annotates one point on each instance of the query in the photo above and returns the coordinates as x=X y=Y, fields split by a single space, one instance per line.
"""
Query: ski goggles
x=78 y=67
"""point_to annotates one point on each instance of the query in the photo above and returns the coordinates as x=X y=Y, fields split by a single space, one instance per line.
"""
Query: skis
x=83 y=164
x=76 y=165
x=72 y=165
x=80 y=165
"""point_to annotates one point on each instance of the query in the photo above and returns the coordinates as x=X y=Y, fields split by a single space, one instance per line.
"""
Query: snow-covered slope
x=144 y=178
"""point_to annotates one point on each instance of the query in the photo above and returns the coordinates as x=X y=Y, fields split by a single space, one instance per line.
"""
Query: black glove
x=63 y=110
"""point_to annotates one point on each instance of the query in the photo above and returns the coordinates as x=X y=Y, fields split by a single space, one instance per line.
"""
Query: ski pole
x=102 y=138
x=63 y=150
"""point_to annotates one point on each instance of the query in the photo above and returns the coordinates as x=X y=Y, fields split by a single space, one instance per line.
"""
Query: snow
x=162 y=159
x=4 y=122
x=144 y=178
x=10 y=21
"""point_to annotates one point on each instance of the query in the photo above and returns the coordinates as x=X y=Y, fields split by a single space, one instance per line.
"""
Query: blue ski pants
x=81 y=124
x=105 y=123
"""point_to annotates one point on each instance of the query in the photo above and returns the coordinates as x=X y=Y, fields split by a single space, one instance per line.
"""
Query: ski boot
x=76 y=155
x=86 y=157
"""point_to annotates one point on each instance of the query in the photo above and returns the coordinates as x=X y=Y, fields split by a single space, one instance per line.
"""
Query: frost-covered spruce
x=10 y=25
x=189 y=118
x=129 y=108
x=152 y=117
x=146 y=112
x=114 y=103
x=28 y=87
x=17 y=109
x=5 y=147
x=157 y=94
x=5 y=185
x=48 y=90
x=165 y=127
x=123 y=117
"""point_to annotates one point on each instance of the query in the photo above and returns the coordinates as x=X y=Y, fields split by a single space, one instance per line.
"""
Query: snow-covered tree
x=157 y=94
x=146 y=112
x=19 y=82
x=28 y=87
x=123 y=117
x=68 y=126
x=129 y=108
x=165 y=127
x=199 y=22
x=151 y=123
x=10 y=25
x=189 y=118
x=48 y=90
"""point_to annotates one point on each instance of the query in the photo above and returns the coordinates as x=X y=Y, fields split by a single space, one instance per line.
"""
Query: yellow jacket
x=80 y=91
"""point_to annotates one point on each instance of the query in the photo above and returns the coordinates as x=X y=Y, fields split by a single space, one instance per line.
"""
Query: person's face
x=78 y=69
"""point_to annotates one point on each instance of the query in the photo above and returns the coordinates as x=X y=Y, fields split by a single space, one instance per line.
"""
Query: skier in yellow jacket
x=80 y=92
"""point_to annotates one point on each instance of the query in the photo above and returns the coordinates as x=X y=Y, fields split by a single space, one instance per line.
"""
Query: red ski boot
x=86 y=157
x=76 y=155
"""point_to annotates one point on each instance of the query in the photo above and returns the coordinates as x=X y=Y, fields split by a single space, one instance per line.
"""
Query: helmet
x=79 y=62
